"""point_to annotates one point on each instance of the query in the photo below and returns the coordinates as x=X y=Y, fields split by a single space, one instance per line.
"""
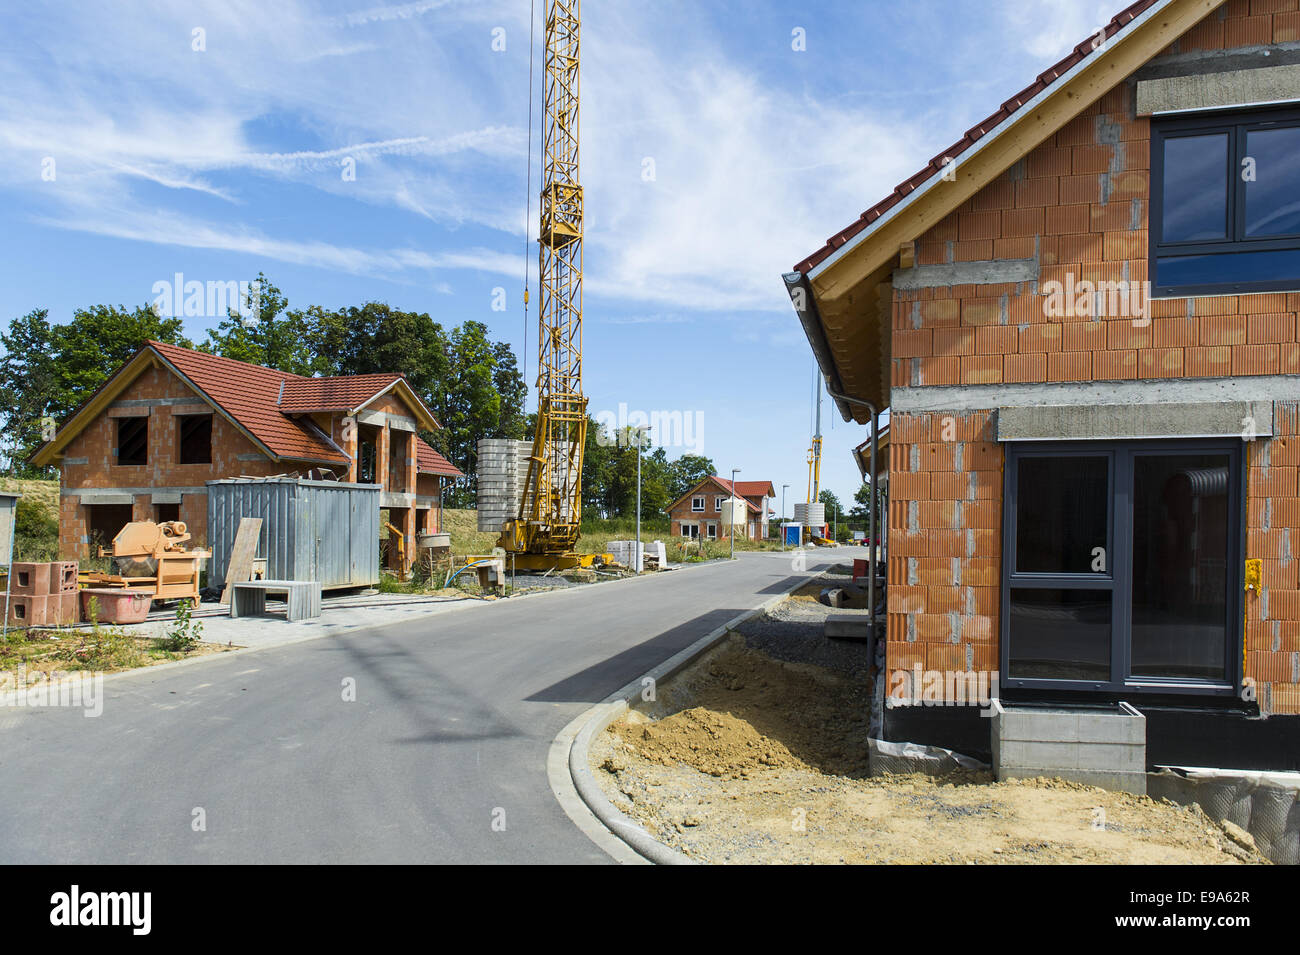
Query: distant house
x=171 y=419
x=698 y=512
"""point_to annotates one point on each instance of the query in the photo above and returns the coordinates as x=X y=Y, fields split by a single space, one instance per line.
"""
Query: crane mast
x=545 y=532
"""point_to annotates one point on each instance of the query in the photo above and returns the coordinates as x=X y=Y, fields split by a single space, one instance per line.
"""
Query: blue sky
x=228 y=160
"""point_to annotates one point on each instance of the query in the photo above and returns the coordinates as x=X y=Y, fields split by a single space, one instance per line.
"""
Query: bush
x=184 y=634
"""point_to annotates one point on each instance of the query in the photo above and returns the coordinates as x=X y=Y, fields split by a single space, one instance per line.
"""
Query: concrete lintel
x=166 y=497
x=396 y=499
x=994 y=272
x=154 y=402
x=380 y=418
x=107 y=499
x=960 y=398
x=128 y=412
x=1169 y=420
x=1271 y=84
x=251 y=457
x=1199 y=62
x=123 y=495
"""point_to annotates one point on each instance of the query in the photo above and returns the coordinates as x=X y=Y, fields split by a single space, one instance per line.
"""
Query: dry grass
x=45 y=493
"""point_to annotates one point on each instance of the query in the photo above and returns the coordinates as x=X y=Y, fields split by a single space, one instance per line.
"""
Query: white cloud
x=751 y=172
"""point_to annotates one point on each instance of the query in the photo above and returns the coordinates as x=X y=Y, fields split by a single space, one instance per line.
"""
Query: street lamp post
x=734 y=472
x=637 y=561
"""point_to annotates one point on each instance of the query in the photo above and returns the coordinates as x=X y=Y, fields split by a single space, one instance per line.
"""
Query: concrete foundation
x=1097 y=746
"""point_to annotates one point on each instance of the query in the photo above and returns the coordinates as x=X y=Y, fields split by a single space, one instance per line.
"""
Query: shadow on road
x=600 y=680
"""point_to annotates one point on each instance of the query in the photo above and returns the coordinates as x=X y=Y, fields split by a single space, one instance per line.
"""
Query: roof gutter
x=805 y=306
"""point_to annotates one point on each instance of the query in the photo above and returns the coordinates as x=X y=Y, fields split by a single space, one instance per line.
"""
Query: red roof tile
x=429 y=461
x=936 y=165
x=262 y=401
x=749 y=488
x=248 y=393
x=343 y=393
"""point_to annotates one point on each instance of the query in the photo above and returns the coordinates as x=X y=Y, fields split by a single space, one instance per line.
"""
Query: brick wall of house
x=1078 y=203
x=95 y=445
x=945 y=543
x=1272 y=647
x=683 y=513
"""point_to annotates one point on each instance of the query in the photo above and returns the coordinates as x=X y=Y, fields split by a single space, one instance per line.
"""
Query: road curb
x=570 y=772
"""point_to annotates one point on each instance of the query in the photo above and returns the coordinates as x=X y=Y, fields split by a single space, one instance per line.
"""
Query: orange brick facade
x=1078 y=204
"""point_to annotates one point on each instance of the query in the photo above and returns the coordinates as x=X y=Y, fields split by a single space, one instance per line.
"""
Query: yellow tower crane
x=545 y=532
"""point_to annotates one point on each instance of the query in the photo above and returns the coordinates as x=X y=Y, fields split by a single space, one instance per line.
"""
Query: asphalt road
x=440 y=758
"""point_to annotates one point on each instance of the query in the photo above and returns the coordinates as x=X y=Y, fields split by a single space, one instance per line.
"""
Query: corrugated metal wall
x=311 y=530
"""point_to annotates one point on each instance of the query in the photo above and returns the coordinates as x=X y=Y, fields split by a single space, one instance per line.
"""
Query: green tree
x=833 y=506
x=686 y=472
x=270 y=335
x=28 y=384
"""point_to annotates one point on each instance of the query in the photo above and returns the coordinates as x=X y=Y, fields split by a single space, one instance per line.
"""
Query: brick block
x=1160 y=363
x=1069 y=366
x=997 y=340
x=30 y=580
x=1040 y=338
x=1064 y=220
x=1024 y=368
x=1256 y=360
x=981 y=370
x=26 y=610
x=1115 y=365
x=63 y=576
x=1209 y=362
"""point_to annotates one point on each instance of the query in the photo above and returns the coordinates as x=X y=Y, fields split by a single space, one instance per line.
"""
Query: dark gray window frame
x=1119 y=566
x=1236 y=124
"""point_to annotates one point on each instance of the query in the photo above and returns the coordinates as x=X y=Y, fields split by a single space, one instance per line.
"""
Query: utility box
x=8 y=513
x=1103 y=746
x=320 y=531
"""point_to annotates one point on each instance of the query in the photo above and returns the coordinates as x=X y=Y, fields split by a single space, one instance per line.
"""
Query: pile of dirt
x=718 y=744
x=759 y=760
x=746 y=710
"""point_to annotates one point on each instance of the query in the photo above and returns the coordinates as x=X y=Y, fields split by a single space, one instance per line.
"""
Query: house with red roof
x=698 y=513
x=171 y=419
x=1082 y=317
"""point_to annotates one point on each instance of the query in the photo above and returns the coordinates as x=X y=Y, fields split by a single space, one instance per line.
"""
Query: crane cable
x=528 y=176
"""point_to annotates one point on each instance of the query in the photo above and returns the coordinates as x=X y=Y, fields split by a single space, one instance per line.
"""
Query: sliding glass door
x=1121 y=566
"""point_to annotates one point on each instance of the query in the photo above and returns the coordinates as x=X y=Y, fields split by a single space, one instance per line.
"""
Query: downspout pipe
x=871 y=515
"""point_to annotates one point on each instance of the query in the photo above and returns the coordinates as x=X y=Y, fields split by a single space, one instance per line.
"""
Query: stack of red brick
x=43 y=595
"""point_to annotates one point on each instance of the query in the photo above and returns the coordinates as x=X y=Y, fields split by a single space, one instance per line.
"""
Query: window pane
x=1060 y=634
x=1195 y=188
x=1277 y=265
x=1273 y=196
x=1180 y=565
x=1061 y=509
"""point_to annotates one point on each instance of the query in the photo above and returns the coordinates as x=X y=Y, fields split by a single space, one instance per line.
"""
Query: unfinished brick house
x=698 y=513
x=1083 y=317
x=171 y=419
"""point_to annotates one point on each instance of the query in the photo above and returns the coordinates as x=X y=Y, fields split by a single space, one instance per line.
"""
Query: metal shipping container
x=311 y=530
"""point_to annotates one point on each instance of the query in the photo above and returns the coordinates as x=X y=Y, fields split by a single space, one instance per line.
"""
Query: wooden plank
x=242 y=554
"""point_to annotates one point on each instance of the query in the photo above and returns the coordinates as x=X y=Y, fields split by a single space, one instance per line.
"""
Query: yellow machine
x=152 y=558
x=545 y=532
